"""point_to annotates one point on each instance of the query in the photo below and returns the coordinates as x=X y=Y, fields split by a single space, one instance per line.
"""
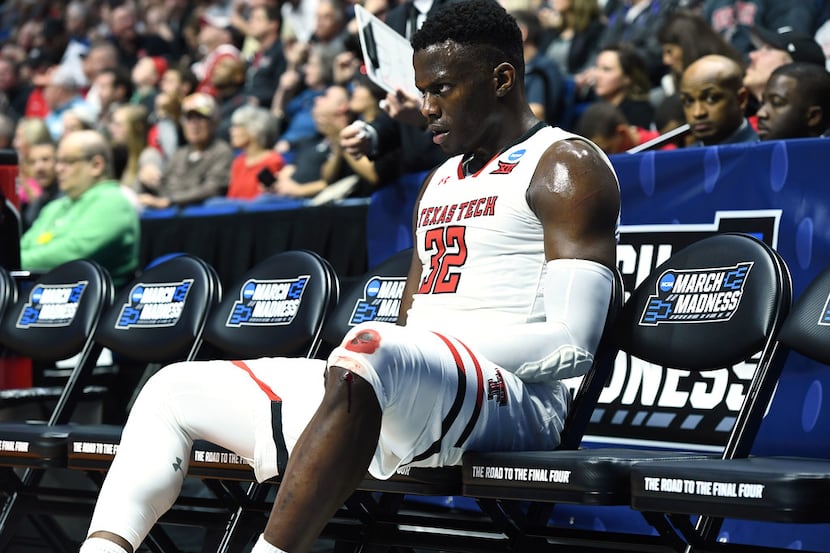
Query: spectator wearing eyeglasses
x=93 y=219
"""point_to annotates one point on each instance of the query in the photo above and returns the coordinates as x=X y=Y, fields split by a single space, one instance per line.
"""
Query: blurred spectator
x=178 y=81
x=637 y=22
x=29 y=130
x=621 y=77
x=92 y=219
x=796 y=102
x=686 y=36
x=774 y=49
x=229 y=83
x=268 y=62
x=61 y=94
x=14 y=93
x=298 y=120
x=77 y=21
x=216 y=41
x=114 y=88
x=7 y=125
x=200 y=169
x=145 y=76
x=78 y=118
x=669 y=115
x=253 y=132
x=543 y=79
x=128 y=128
x=165 y=133
x=299 y=18
x=572 y=30
x=714 y=100
x=40 y=165
x=734 y=19
x=101 y=55
x=605 y=125
x=131 y=42
x=330 y=30
x=314 y=167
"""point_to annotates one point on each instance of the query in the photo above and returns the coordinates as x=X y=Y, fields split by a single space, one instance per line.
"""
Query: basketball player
x=508 y=290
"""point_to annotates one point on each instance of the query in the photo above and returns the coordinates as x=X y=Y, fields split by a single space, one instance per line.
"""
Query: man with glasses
x=92 y=219
x=198 y=170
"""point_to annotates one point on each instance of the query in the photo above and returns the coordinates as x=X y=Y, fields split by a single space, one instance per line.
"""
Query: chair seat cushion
x=773 y=489
x=584 y=476
x=33 y=444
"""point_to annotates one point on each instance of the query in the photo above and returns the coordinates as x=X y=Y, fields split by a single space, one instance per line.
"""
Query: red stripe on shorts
x=262 y=385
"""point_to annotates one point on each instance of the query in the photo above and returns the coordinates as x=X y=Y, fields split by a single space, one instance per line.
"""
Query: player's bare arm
x=576 y=197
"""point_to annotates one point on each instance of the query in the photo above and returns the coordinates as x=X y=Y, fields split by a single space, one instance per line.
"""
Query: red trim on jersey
x=262 y=385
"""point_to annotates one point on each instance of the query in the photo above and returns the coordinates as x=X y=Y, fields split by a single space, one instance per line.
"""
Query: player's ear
x=814 y=116
x=504 y=76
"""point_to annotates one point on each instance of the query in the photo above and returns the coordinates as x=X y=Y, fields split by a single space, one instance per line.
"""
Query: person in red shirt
x=253 y=131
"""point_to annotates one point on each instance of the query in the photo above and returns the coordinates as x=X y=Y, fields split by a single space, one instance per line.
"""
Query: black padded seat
x=33 y=445
x=771 y=489
x=584 y=476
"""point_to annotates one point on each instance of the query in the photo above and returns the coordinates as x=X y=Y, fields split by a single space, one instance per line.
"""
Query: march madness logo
x=380 y=302
x=52 y=305
x=642 y=403
x=154 y=305
x=702 y=295
x=268 y=302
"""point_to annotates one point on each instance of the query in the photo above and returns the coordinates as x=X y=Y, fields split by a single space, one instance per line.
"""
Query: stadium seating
x=771 y=489
x=748 y=290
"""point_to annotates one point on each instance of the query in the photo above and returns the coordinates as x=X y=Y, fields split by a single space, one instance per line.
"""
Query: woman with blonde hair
x=572 y=33
x=29 y=131
x=128 y=131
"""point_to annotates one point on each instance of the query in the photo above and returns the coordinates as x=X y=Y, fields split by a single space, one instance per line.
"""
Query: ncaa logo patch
x=154 y=305
x=696 y=296
x=268 y=302
x=51 y=305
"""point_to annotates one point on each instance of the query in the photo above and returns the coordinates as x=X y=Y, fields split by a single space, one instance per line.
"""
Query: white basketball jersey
x=480 y=244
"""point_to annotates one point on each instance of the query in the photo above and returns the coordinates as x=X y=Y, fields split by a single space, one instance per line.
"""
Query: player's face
x=781 y=115
x=459 y=97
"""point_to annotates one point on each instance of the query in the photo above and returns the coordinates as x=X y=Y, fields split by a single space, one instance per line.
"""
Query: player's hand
x=355 y=141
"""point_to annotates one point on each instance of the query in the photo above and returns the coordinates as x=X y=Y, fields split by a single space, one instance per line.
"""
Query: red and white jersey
x=480 y=244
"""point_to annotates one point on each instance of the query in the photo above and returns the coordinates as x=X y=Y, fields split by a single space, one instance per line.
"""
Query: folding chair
x=55 y=320
x=758 y=488
x=414 y=508
x=245 y=324
x=714 y=304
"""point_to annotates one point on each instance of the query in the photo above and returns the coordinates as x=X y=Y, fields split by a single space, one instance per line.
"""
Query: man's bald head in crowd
x=713 y=97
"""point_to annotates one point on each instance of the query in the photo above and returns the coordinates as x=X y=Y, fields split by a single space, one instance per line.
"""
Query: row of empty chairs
x=741 y=295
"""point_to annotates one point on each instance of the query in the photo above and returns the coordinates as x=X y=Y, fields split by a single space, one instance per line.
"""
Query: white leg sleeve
x=206 y=400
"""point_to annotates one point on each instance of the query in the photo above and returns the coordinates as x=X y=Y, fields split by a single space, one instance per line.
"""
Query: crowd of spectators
x=261 y=100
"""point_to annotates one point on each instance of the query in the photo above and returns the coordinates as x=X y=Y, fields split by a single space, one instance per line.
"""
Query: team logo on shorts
x=380 y=302
x=365 y=341
x=268 y=302
x=154 y=305
x=695 y=296
x=52 y=305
